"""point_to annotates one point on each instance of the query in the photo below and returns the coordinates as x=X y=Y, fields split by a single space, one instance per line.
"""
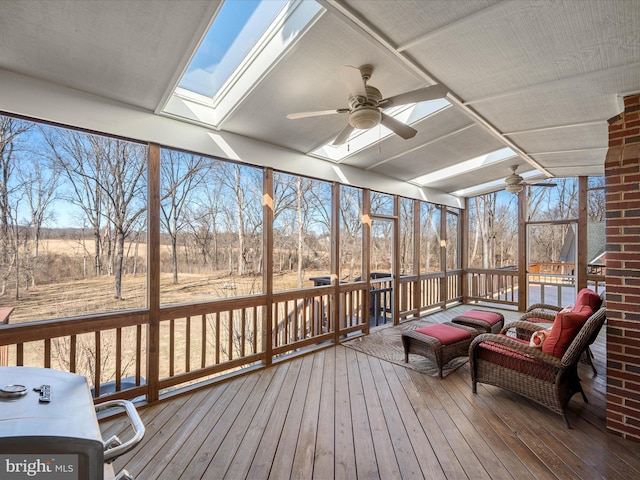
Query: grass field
x=96 y=295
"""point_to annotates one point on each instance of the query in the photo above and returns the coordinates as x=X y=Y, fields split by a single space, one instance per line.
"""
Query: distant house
x=596 y=247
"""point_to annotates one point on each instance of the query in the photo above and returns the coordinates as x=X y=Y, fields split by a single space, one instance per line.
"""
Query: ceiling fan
x=515 y=183
x=366 y=104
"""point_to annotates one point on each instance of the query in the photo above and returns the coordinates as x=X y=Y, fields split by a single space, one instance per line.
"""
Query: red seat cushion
x=445 y=334
x=515 y=359
x=489 y=317
x=587 y=296
x=564 y=329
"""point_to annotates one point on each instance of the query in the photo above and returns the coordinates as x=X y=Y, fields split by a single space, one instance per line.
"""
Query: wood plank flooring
x=338 y=413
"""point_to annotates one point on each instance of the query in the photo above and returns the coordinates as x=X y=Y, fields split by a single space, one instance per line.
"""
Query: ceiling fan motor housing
x=513 y=179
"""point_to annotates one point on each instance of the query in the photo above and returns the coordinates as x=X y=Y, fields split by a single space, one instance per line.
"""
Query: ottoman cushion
x=445 y=334
x=482 y=320
x=440 y=342
x=490 y=317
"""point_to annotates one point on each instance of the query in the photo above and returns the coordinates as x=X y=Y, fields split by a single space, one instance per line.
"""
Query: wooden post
x=417 y=286
x=366 y=256
x=583 y=234
x=443 y=256
x=522 y=251
x=334 y=312
x=153 y=272
x=464 y=250
x=267 y=267
x=395 y=265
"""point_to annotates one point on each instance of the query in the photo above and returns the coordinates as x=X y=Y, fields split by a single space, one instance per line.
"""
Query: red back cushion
x=587 y=296
x=564 y=329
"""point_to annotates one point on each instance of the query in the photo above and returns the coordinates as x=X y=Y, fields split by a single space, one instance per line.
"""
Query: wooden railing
x=431 y=291
x=205 y=340
x=493 y=286
x=454 y=286
x=196 y=341
x=101 y=347
x=421 y=293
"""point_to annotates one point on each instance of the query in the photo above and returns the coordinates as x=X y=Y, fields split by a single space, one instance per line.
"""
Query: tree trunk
x=174 y=258
x=135 y=256
x=96 y=256
x=118 y=266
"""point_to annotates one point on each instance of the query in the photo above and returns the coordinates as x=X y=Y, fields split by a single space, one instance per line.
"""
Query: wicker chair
x=509 y=363
x=545 y=313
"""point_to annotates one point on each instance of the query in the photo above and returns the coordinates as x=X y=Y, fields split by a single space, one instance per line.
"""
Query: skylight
x=469 y=165
x=244 y=41
x=361 y=139
x=235 y=31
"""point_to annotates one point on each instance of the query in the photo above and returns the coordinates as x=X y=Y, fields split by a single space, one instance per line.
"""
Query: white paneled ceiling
x=542 y=77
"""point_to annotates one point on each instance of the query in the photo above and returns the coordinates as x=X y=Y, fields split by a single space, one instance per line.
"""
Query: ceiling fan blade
x=353 y=78
x=542 y=184
x=343 y=135
x=420 y=95
x=294 y=116
x=399 y=128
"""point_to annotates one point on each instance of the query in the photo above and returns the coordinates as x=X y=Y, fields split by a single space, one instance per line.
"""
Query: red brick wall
x=622 y=171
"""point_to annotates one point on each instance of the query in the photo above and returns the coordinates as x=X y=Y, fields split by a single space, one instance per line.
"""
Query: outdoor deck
x=338 y=413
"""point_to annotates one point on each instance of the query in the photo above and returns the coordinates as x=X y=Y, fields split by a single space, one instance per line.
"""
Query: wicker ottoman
x=440 y=343
x=481 y=320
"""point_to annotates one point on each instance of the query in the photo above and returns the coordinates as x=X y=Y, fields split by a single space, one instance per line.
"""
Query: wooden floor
x=338 y=413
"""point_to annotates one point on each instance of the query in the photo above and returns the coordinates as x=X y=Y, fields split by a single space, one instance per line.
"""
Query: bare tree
x=596 y=201
x=302 y=211
x=243 y=214
x=406 y=236
x=11 y=131
x=40 y=185
x=127 y=166
x=84 y=170
x=203 y=220
x=108 y=183
x=493 y=226
x=485 y=206
x=430 y=234
x=350 y=232
x=182 y=173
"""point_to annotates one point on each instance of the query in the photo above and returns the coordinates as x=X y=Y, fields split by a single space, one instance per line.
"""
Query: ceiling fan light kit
x=365 y=117
x=366 y=104
x=517 y=188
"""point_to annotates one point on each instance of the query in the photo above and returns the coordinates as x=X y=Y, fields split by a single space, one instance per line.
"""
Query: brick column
x=622 y=172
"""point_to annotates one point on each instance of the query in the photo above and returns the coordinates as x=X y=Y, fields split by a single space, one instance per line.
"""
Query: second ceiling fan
x=515 y=183
x=365 y=104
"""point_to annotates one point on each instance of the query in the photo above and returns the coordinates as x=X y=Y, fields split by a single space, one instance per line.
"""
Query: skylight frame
x=294 y=16
x=232 y=37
